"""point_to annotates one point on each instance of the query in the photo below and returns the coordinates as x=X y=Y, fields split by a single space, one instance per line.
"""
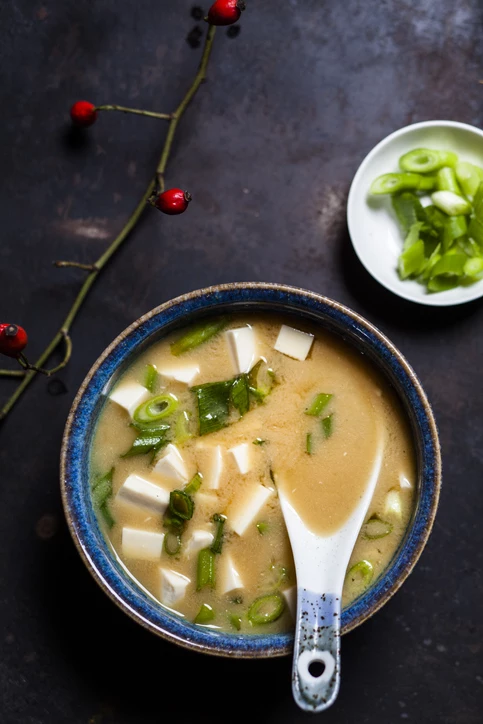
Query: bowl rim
x=79 y=514
x=430 y=300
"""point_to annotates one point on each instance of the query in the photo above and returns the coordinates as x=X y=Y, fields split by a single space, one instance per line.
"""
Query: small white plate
x=373 y=227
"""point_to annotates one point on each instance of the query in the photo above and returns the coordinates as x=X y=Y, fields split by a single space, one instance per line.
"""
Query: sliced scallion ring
x=266 y=609
x=156 y=408
x=376 y=528
x=363 y=571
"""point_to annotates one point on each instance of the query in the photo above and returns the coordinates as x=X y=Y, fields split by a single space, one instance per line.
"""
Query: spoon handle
x=316 y=664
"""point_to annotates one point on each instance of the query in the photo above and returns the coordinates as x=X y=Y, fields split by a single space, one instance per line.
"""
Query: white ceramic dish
x=373 y=227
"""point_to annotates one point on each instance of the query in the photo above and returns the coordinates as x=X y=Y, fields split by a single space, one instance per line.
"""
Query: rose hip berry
x=225 y=12
x=172 y=201
x=13 y=340
x=83 y=114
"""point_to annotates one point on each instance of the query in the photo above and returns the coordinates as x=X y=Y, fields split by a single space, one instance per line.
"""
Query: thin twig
x=12 y=373
x=154 y=184
x=75 y=265
x=136 y=111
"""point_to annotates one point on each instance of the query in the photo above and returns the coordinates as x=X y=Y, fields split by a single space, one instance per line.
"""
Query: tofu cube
x=393 y=504
x=242 y=455
x=293 y=342
x=173 y=586
x=200 y=539
x=290 y=595
x=143 y=494
x=210 y=502
x=243 y=348
x=144 y=545
x=404 y=482
x=172 y=466
x=246 y=512
x=129 y=395
x=185 y=374
x=228 y=577
x=210 y=464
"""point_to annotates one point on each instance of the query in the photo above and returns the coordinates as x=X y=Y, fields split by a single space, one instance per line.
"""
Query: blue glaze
x=182 y=311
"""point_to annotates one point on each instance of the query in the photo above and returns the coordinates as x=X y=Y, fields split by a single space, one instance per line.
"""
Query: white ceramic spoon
x=321 y=564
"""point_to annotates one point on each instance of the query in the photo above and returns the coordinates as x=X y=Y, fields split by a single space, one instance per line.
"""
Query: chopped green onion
x=239 y=394
x=218 y=540
x=235 y=621
x=391 y=183
x=262 y=527
x=150 y=377
x=171 y=520
x=362 y=570
x=261 y=380
x=450 y=264
x=205 y=614
x=205 y=569
x=426 y=160
x=106 y=514
x=327 y=425
x=102 y=489
x=475 y=231
x=172 y=542
x=194 y=485
x=259 y=441
x=266 y=609
x=469 y=177
x=408 y=209
x=412 y=261
x=443 y=283
x=156 y=408
x=308 y=444
x=474 y=267
x=213 y=405
x=278 y=574
x=446 y=180
x=181 y=504
x=147 y=442
x=181 y=430
x=318 y=404
x=454 y=228
x=376 y=528
x=478 y=203
x=451 y=203
x=196 y=336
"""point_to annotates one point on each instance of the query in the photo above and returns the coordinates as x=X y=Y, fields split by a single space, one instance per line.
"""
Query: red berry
x=13 y=340
x=172 y=201
x=225 y=12
x=83 y=114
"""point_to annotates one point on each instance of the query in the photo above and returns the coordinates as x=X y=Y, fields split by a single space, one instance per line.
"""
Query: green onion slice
x=328 y=425
x=205 y=575
x=213 y=405
x=172 y=542
x=196 y=336
x=261 y=380
x=235 y=621
x=469 y=177
x=376 y=528
x=102 y=489
x=262 y=527
x=218 y=540
x=391 y=183
x=181 y=505
x=318 y=404
x=239 y=394
x=181 y=431
x=408 y=209
x=447 y=181
x=451 y=203
x=147 y=442
x=259 y=441
x=426 y=160
x=266 y=609
x=205 y=614
x=150 y=377
x=194 y=485
x=156 y=408
x=309 y=444
x=363 y=570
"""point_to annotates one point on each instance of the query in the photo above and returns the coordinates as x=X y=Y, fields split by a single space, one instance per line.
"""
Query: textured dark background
x=268 y=150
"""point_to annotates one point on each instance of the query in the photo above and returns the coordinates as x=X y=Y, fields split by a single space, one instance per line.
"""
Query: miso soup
x=201 y=432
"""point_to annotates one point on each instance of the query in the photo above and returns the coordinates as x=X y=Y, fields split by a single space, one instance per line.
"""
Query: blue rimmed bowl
x=81 y=423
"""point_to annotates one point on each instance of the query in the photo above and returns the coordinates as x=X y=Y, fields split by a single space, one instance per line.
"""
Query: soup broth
x=185 y=474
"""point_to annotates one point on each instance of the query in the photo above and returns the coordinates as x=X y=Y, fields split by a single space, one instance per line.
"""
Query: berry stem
x=75 y=264
x=95 y=269
x=12 y=373
x=136 y=111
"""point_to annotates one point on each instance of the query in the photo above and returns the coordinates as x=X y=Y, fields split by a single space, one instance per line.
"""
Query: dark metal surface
x=268 y=151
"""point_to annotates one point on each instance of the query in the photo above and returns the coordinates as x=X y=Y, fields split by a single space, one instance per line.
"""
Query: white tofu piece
x=242 y=456
x=200 y=539
x=290 y=595
x=173 y=586
x=245 y=514
x=206 y=500
x=145 y=545
x=143 y=494
x=404 y=482
x=243 y=348
x=172 y=466
x=130 y=395
x=210 y=464
x=393 y=505
x=185 y=374
x=293 y=342
x=228 y=577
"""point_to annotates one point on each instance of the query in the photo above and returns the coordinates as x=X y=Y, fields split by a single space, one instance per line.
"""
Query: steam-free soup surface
x=321 y=460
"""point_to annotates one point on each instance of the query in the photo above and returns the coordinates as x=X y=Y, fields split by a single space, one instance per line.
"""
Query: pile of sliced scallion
x=443 y=241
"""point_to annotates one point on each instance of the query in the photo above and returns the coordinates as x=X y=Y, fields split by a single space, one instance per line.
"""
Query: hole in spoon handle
x=316 y=662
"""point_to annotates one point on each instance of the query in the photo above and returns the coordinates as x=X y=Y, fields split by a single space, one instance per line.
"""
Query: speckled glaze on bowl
x=330 y=315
